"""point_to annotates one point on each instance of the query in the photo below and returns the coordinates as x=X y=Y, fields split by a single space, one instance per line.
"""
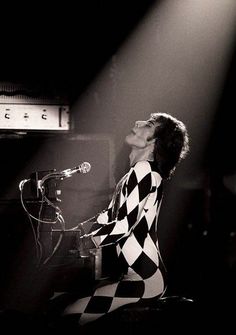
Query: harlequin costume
x=130 y=222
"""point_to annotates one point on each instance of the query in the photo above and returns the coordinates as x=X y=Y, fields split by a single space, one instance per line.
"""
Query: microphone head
x=85 y=167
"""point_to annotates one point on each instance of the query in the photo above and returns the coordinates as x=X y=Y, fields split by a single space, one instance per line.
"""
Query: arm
x=138 y=187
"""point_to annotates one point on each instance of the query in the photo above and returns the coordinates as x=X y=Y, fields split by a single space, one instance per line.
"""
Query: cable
x=36 y=234
x=44 y=200
x=22 y=183
x=62 y=221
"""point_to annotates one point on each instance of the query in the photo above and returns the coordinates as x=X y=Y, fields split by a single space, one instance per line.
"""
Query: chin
x=131 y=141
x=128 y=139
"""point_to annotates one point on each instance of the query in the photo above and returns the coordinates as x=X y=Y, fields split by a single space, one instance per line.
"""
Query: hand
x=102 y=217
x=88 y=241
x=96 y=240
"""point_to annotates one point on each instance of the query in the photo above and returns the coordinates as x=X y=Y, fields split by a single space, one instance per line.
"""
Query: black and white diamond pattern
x=135 y=236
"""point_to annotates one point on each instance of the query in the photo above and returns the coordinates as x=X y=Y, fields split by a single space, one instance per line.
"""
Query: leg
x=106 y=299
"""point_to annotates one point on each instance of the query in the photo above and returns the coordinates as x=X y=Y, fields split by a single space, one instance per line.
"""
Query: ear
x=151 y=145
x=151 y=141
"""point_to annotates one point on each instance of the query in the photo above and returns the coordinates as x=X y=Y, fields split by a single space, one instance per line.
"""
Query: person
x=130 y=220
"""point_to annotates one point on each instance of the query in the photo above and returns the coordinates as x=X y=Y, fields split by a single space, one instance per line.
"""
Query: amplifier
x=34 y=117
x=22 y=108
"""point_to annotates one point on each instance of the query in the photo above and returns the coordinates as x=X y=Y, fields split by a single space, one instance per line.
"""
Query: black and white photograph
x=118 y=167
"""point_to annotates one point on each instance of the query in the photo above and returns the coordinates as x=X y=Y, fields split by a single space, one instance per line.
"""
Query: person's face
x=141 y=134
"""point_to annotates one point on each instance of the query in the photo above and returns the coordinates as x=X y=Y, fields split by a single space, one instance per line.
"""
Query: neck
x=138 y=155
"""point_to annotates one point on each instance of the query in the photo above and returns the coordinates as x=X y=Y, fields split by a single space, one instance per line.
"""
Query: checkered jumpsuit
x=134 y=231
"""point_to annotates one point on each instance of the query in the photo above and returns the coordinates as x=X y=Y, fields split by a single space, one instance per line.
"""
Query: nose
x=139 y=123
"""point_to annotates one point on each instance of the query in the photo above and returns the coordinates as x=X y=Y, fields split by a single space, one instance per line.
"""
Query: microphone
x=84 y=167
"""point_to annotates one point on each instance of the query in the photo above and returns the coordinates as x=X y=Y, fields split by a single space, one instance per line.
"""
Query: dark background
x=60 y=48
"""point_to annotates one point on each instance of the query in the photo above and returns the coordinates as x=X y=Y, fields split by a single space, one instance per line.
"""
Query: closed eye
x=150 y=123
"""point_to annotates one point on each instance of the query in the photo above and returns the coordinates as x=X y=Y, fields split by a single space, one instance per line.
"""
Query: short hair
x=171 y=143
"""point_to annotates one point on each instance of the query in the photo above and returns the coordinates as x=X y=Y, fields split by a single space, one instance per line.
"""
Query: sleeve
x=138 y=187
